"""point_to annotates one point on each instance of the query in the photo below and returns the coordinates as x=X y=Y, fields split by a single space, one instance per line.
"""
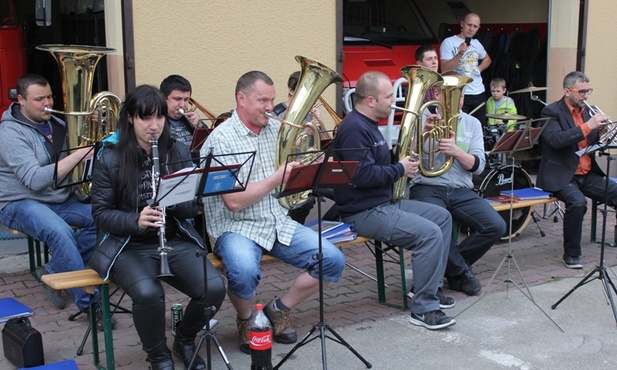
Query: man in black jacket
x=570 y=128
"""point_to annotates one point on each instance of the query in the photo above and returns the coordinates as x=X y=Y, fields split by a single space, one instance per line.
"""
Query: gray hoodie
x=26 y=165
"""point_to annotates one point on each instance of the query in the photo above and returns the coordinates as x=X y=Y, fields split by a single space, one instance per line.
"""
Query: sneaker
x=243 y=334
x=432 y=320
x=282 y=326
x=465 y=282
x=55 y=296
x=572 y=262
x=444 y=300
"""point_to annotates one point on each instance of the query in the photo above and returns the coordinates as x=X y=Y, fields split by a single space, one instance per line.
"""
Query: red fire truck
x=12 y=53
x=382 y=35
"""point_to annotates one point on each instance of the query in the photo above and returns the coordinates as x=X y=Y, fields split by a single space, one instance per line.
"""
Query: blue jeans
x=241 y=257
x=51 y=224
x=591 y=185
x=469 y=210
x=424 y=228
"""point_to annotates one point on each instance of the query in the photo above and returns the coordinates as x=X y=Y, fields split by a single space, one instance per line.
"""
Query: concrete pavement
x=504 y=330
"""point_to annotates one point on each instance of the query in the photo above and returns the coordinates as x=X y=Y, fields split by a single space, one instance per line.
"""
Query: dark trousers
x=135 y=271
x=473 y=101
x=469 y=210
x=591 y=185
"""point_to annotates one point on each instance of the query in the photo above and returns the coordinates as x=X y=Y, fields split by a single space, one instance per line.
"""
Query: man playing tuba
x=370 y=207
x=31 y=139
x=453 y=190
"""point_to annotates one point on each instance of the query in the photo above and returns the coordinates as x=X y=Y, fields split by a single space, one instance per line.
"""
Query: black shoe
x=572 y=262
x=161 y=362
x=444 y=300
x=184 y=349
x=432 y=320
x=55 y=296
x=465 y=282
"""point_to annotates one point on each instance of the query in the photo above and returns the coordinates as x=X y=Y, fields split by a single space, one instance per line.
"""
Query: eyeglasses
x=582 y=92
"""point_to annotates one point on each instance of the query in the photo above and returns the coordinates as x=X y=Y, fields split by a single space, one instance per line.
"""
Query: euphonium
x=420 y=80
x=451 y=90
x=292 y=136
x=77 y=65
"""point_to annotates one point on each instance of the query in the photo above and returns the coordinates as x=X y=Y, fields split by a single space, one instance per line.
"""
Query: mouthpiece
x=181 y=111
x=270 y=114
x=396 y=107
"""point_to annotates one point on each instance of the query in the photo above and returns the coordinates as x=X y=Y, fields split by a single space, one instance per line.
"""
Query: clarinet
x=163 y=249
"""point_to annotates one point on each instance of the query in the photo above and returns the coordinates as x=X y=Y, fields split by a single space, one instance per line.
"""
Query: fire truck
x=13 y=61
x=382 y=35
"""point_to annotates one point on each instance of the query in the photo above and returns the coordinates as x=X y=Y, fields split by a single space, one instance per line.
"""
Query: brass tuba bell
x=296 y=135
x=77 y=64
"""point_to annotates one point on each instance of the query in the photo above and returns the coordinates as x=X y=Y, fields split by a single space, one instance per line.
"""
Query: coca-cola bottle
x=260 y=339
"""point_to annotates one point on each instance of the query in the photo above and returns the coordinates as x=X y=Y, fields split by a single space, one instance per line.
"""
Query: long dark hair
x=143 y=102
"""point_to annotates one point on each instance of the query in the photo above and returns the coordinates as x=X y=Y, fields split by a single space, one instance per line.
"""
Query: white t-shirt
x=468 y=65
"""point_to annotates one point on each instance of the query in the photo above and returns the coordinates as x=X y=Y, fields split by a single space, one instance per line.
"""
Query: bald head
x=368 y=84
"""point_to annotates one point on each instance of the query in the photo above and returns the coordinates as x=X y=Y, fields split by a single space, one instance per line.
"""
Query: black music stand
x=319 y=174
x=510 y=142
x=600 y=268
x=213 y=180
x=217 y=180
x=86 y=174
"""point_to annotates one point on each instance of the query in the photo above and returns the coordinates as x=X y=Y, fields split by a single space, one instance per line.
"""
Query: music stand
x=600 y=268
x=227 y=179
x=86 y=174
x=510 y=142
x=317 y=175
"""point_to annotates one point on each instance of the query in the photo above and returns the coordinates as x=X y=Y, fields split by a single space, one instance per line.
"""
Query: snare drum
x=499 y=179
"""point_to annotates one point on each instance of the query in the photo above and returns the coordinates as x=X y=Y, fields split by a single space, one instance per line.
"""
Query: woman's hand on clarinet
x=150 y=217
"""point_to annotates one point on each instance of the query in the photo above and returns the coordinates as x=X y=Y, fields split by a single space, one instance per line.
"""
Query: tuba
x=77 y=64
x=413 y=140
x=296 y=135
x=420 y=80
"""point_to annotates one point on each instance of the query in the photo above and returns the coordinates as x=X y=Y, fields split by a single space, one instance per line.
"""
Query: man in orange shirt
x=572 y=127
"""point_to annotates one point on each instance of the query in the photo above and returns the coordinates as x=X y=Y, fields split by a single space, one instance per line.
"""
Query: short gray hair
x=573 y=78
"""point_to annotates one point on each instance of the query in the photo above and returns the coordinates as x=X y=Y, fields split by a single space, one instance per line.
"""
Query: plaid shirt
x=265 y=221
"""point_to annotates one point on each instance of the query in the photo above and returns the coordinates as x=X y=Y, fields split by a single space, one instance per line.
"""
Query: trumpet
x=609 y=132
x=163 y=249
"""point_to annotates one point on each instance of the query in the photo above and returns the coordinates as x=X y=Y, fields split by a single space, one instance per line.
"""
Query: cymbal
x=529 y=89
x=506 y=116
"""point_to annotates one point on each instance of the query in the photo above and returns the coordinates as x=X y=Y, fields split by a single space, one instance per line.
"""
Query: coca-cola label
x=260 y=340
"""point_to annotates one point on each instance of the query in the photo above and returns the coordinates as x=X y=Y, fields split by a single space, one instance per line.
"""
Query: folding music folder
x=199 y=138
x=522 y=139
x=335 y=174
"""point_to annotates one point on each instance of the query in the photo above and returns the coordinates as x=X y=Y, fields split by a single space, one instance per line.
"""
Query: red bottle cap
x=259 y=306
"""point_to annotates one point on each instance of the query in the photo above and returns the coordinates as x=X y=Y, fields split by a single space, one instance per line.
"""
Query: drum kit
x=497 y=174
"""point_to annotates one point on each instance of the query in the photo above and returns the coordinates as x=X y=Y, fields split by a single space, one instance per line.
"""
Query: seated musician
x=30 y=140
x=453 y=190
x=570 y=128
x=251 y=223
x=128 y=239
x=182 y=122
x=370 y=207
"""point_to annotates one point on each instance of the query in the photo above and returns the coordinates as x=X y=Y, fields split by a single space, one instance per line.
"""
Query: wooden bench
x=88 y=280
